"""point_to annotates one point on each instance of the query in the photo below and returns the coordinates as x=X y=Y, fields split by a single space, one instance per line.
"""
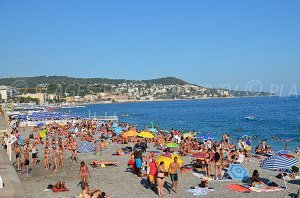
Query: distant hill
x=83 y=86
x=35 y=81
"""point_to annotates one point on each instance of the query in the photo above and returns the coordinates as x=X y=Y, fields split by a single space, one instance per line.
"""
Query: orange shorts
x=152 y=179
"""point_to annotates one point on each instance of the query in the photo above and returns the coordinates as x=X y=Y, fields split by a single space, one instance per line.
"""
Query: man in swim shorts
x=173 y=170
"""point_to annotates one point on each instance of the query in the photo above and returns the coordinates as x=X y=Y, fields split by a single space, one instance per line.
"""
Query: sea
x=277 y=119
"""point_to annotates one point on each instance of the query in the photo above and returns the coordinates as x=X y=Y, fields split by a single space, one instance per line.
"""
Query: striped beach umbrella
x=276 y=162
x=85 y=147
x=283 y=152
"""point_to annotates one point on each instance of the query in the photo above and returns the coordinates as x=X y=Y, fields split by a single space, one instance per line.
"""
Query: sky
x=243 y=45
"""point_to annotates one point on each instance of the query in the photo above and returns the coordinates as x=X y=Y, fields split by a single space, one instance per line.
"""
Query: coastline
x=162 y=100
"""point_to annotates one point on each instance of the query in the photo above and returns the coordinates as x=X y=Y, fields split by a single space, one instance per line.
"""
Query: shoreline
x=159 y=100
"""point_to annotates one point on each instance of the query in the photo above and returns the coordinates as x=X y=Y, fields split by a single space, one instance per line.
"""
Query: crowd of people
x=60 y=142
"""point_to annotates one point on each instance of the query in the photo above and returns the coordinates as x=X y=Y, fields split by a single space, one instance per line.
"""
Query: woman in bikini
x=55 y=156
x=160 y=178
x=61 y=154
x=85 y=173
x=207 y=162
x=34 y=153
x=46 y=158
x=218 y=163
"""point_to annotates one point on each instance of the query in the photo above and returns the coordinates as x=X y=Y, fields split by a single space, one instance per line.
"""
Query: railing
x=10 y=141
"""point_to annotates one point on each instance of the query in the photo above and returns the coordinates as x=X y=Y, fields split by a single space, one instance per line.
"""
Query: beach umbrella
x=118 y=130
x=173 y=145
x=153 y=130
x=168 y=160
x=283 y=152
x=185 y=135
x=146 y=134
x=130 y=133
x=237 y=172
x=277 y=162
x=164 y=131
x=85 y=147
x=207 y=137
x=200 y=155
x=43 y=133
x=40 y=124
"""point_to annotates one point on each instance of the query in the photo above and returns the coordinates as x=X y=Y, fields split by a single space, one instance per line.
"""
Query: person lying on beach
x=99 y=162
x=254 y=181
x=120 y=152
x=92 y=193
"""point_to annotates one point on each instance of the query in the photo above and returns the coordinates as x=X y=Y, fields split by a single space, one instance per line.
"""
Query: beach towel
x=255 y=189
x=199 y=175
x=200 y=191
x=238 y=188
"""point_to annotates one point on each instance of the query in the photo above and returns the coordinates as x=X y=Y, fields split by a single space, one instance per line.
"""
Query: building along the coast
x=42 y=97
x=8 y=93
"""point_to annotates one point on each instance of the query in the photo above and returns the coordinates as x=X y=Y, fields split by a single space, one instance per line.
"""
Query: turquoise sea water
x=275 y=116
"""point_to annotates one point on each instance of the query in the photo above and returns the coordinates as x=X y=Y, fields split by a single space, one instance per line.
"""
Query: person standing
x=138 y=164
x=207 y=161
x=152 y=173
x=46 y=158
x=218 y=163
x=173 y=170
x=74 y=150
x=85 y=173
x=34 y=153
x=26 y=161
x=18 y=156
x=160 y=179
x=55 y=158
x=61 y=154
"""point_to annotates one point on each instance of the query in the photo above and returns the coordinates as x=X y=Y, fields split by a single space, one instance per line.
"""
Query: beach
x=118 y=182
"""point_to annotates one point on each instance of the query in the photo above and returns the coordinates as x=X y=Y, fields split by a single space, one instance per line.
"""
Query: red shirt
x=153 y=168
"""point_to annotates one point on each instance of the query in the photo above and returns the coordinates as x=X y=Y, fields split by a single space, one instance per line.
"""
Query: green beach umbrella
x=173 y=145
x=185 y=135
x=43 y=133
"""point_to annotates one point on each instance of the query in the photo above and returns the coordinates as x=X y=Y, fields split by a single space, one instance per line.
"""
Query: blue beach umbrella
x=237 y=172
x=115 y=125
x=153 y=130
x=207 y=137
x=118 y=130
x=40 y=124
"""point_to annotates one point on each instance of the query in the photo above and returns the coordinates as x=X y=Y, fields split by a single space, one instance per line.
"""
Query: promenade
x=12 y=184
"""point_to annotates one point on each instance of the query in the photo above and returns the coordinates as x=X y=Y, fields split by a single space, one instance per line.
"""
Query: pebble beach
x=119 y=183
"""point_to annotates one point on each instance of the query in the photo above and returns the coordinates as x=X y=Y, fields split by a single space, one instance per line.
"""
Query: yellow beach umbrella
x=146 y=134
x=43 y=133
x=167 y=160
x=130 y=133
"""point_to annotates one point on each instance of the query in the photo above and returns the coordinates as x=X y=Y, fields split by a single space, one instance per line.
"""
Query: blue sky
x=210 y=43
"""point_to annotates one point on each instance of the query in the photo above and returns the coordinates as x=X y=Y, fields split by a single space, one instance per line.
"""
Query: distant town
x=64 y=90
